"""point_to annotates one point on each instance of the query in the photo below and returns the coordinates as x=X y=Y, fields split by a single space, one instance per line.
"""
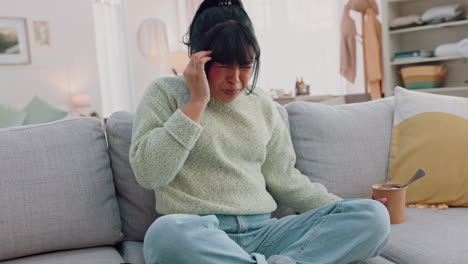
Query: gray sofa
x=68 y=194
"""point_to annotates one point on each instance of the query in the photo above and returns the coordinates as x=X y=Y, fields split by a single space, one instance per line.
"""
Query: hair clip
x=225 y=3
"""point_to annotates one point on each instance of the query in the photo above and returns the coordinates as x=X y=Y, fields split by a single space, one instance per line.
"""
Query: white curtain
x=112 y=56
x=299 y=38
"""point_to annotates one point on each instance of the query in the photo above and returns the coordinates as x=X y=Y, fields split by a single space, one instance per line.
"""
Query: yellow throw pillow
x=430 y=132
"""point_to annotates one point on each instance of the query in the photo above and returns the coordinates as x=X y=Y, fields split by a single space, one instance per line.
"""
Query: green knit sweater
x=238 y=160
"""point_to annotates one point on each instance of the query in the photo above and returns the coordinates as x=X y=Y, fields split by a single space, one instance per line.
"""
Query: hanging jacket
x=348 y=46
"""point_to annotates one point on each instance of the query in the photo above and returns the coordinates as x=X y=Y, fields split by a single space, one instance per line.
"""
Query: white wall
x=66 y=67
x=166 y=10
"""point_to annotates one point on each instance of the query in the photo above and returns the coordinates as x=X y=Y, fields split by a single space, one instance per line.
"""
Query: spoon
x=419 y=174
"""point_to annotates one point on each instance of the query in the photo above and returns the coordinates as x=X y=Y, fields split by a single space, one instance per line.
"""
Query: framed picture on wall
x=14 y=46
x=41 y=33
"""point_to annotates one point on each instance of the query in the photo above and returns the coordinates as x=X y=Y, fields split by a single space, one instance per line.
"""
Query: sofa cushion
x=430 y=236
x=137 y=204
x=430 y=132
x=39 y=111
x=97 y=255
x=56 y=188
x=11 y=117
x=283 y=113
x=132 y=252
x=344 y=147
x=379 y=260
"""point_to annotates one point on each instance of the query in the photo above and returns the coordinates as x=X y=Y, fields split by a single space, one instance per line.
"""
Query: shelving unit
x=424 y=60
x=425 y=37
x=429 y=27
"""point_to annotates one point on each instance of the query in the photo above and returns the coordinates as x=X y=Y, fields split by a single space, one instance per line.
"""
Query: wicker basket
x=423 y=76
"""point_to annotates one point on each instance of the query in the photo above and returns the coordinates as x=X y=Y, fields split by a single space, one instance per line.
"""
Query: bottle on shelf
x=302 y=87
x=296 y=89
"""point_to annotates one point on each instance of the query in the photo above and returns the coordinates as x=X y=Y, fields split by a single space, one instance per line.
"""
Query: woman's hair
x=225 y=28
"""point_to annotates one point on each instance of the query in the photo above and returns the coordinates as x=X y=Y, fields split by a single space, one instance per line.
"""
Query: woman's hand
x=383 y=200
x=195 y=77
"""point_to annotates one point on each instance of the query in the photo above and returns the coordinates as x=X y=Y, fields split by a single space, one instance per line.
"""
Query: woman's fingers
x=383 y=200
x=203 y=61
x=199 y=59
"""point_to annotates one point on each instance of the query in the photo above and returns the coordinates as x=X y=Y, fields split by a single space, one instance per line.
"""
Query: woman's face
x=228 y=81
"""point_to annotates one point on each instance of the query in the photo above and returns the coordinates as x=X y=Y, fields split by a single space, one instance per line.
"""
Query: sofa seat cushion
x=132 y=251
x=56 y=188
x=379 y=260
x=430 y=236
x=96 y=255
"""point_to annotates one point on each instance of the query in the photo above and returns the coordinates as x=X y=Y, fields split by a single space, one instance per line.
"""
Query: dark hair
x=227 y=31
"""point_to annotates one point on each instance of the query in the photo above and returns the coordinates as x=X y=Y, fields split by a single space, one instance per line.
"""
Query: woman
x=218 y=155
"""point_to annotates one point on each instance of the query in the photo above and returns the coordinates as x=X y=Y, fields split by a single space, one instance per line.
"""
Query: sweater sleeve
x=284 y=181
x=162 y=137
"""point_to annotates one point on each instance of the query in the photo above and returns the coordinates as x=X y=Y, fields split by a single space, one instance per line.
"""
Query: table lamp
x=80 y=100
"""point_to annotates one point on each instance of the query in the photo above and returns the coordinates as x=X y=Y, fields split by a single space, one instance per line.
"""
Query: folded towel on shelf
x=412 y=53
x=443 y=13
x=406 y=21
x=447 y=50
x=463 y=47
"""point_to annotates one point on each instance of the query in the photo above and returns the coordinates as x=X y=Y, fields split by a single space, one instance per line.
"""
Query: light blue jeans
x=343 y=232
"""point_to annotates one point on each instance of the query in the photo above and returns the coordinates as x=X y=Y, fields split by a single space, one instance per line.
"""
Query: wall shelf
x=429 y=27
x=424 y=60
x=453 y=91
x=441 y=89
